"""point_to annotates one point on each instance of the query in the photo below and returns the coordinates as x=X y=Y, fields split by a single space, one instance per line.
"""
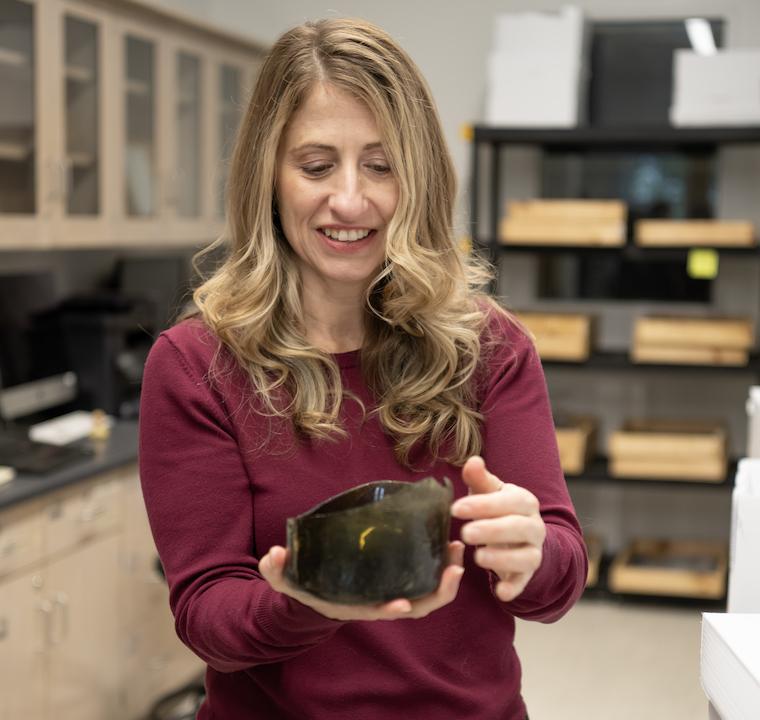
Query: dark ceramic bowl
x=373 y=543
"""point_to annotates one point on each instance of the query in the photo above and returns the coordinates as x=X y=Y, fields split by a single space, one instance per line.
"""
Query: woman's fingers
x=508 y=560
x=510 y=529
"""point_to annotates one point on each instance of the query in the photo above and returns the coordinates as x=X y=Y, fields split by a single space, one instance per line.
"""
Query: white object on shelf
x=538 y=69
x=730 y=663
x=65 y=429
x=7 y=474
x=743 y=576
x=753 y=422
x=719 y=89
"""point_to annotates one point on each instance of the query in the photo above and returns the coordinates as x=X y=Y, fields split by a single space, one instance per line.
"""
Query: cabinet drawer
x=83 y=513
x=20 y=538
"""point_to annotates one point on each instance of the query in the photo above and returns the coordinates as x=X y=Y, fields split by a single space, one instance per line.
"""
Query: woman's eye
x=379 y=168
x=315 y=170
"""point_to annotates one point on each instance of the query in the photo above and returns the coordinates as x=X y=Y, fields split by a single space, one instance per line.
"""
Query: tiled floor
x=613 y=661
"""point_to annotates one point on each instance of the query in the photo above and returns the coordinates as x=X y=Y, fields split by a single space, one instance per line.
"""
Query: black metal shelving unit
x=487 y=143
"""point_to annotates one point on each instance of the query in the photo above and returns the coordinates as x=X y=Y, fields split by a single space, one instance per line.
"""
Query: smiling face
x=335 y=192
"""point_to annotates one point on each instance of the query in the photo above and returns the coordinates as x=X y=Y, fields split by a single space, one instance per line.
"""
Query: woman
x=340 y=342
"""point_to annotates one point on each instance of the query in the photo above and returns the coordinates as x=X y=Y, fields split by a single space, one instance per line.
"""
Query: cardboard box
x=744 y=578
x=718 y=89
x=669 y=450
x=576 y=440
x=559 y=336
x=695 y=233
x=554 y=47
x=681 y=568
x=694 y=332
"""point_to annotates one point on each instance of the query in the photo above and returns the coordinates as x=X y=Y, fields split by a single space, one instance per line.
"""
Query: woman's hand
x=271 y=567
x=505 y=525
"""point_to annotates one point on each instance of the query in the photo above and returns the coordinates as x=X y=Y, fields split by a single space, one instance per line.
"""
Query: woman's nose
x=348 y=199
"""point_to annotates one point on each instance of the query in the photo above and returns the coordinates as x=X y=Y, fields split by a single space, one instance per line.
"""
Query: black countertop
x=120 y=449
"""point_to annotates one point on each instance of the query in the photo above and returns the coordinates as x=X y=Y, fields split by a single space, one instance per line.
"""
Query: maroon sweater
x=217 y=502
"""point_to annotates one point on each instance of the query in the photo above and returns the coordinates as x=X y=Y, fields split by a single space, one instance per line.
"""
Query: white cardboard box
x=537 y=70
x=719 y=89
x=744 y=559
x=730 y=664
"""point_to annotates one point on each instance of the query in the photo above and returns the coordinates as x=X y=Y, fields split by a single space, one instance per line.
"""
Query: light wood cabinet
x=23 y=622
x=85 y=627
x=115 y=119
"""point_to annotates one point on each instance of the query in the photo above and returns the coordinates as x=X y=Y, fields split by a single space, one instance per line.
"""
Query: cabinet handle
x=8 y=549
x=61 y=602
x=46 y=608
x=91 y=512
x=3 y=628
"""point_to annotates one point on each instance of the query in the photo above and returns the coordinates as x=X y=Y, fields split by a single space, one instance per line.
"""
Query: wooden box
x=692 y=340
x=594 y=550
x=576 y=436
x=682 y=568
x=564 y=222
x=699 y=332
x=695 y=233
x=559 y=336
x=669 y=450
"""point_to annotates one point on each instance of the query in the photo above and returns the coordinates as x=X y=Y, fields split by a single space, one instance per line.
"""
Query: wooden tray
x=669 y=450
x=572 y=210
x=690 y=233
x=669 y=355
x=559 y=336
x=576 y=440
x=705 y=333
x=682 y=568
x=576 y=233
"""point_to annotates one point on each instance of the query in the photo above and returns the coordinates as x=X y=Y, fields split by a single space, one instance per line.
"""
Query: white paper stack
x=538 y=69
x=718 y=89
x=744 y=560
x=730 y=664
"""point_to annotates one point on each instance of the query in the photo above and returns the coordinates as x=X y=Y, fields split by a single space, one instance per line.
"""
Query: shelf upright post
x=494 y=202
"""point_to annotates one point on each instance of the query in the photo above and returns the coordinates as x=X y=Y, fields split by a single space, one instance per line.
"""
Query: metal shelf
x=629 y=250
x=611 y=137
x=596 y=472
x=621 y=361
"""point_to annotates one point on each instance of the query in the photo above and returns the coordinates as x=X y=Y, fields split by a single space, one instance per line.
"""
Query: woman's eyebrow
x=330 y=148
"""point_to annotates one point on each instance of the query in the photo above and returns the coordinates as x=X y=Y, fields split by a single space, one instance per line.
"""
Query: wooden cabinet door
x=84 y=658
x=22 y=648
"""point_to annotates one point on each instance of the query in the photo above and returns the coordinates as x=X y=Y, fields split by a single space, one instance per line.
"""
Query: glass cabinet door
x=81 y=117
x=17 y=109
x=188 y=118
x=140 y=167
x=230 y=112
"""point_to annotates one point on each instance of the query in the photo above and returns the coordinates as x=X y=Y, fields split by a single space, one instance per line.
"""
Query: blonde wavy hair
x=424 y=313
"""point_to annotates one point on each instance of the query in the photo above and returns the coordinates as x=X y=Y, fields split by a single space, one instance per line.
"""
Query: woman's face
x=335 y=191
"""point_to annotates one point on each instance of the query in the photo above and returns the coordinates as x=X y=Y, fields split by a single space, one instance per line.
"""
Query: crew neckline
x=347 y=359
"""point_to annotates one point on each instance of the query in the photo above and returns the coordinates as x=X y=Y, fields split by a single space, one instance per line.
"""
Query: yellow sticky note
x=465 y=244
x=702 y=264
x=466 y=132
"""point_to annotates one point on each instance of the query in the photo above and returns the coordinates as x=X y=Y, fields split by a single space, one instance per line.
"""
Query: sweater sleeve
x=200 y=507
x=520 y=447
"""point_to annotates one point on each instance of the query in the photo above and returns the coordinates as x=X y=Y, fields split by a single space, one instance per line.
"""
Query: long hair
x=423 y=313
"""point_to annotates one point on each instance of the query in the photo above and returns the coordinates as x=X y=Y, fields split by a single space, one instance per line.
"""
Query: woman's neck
x=334 y=323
